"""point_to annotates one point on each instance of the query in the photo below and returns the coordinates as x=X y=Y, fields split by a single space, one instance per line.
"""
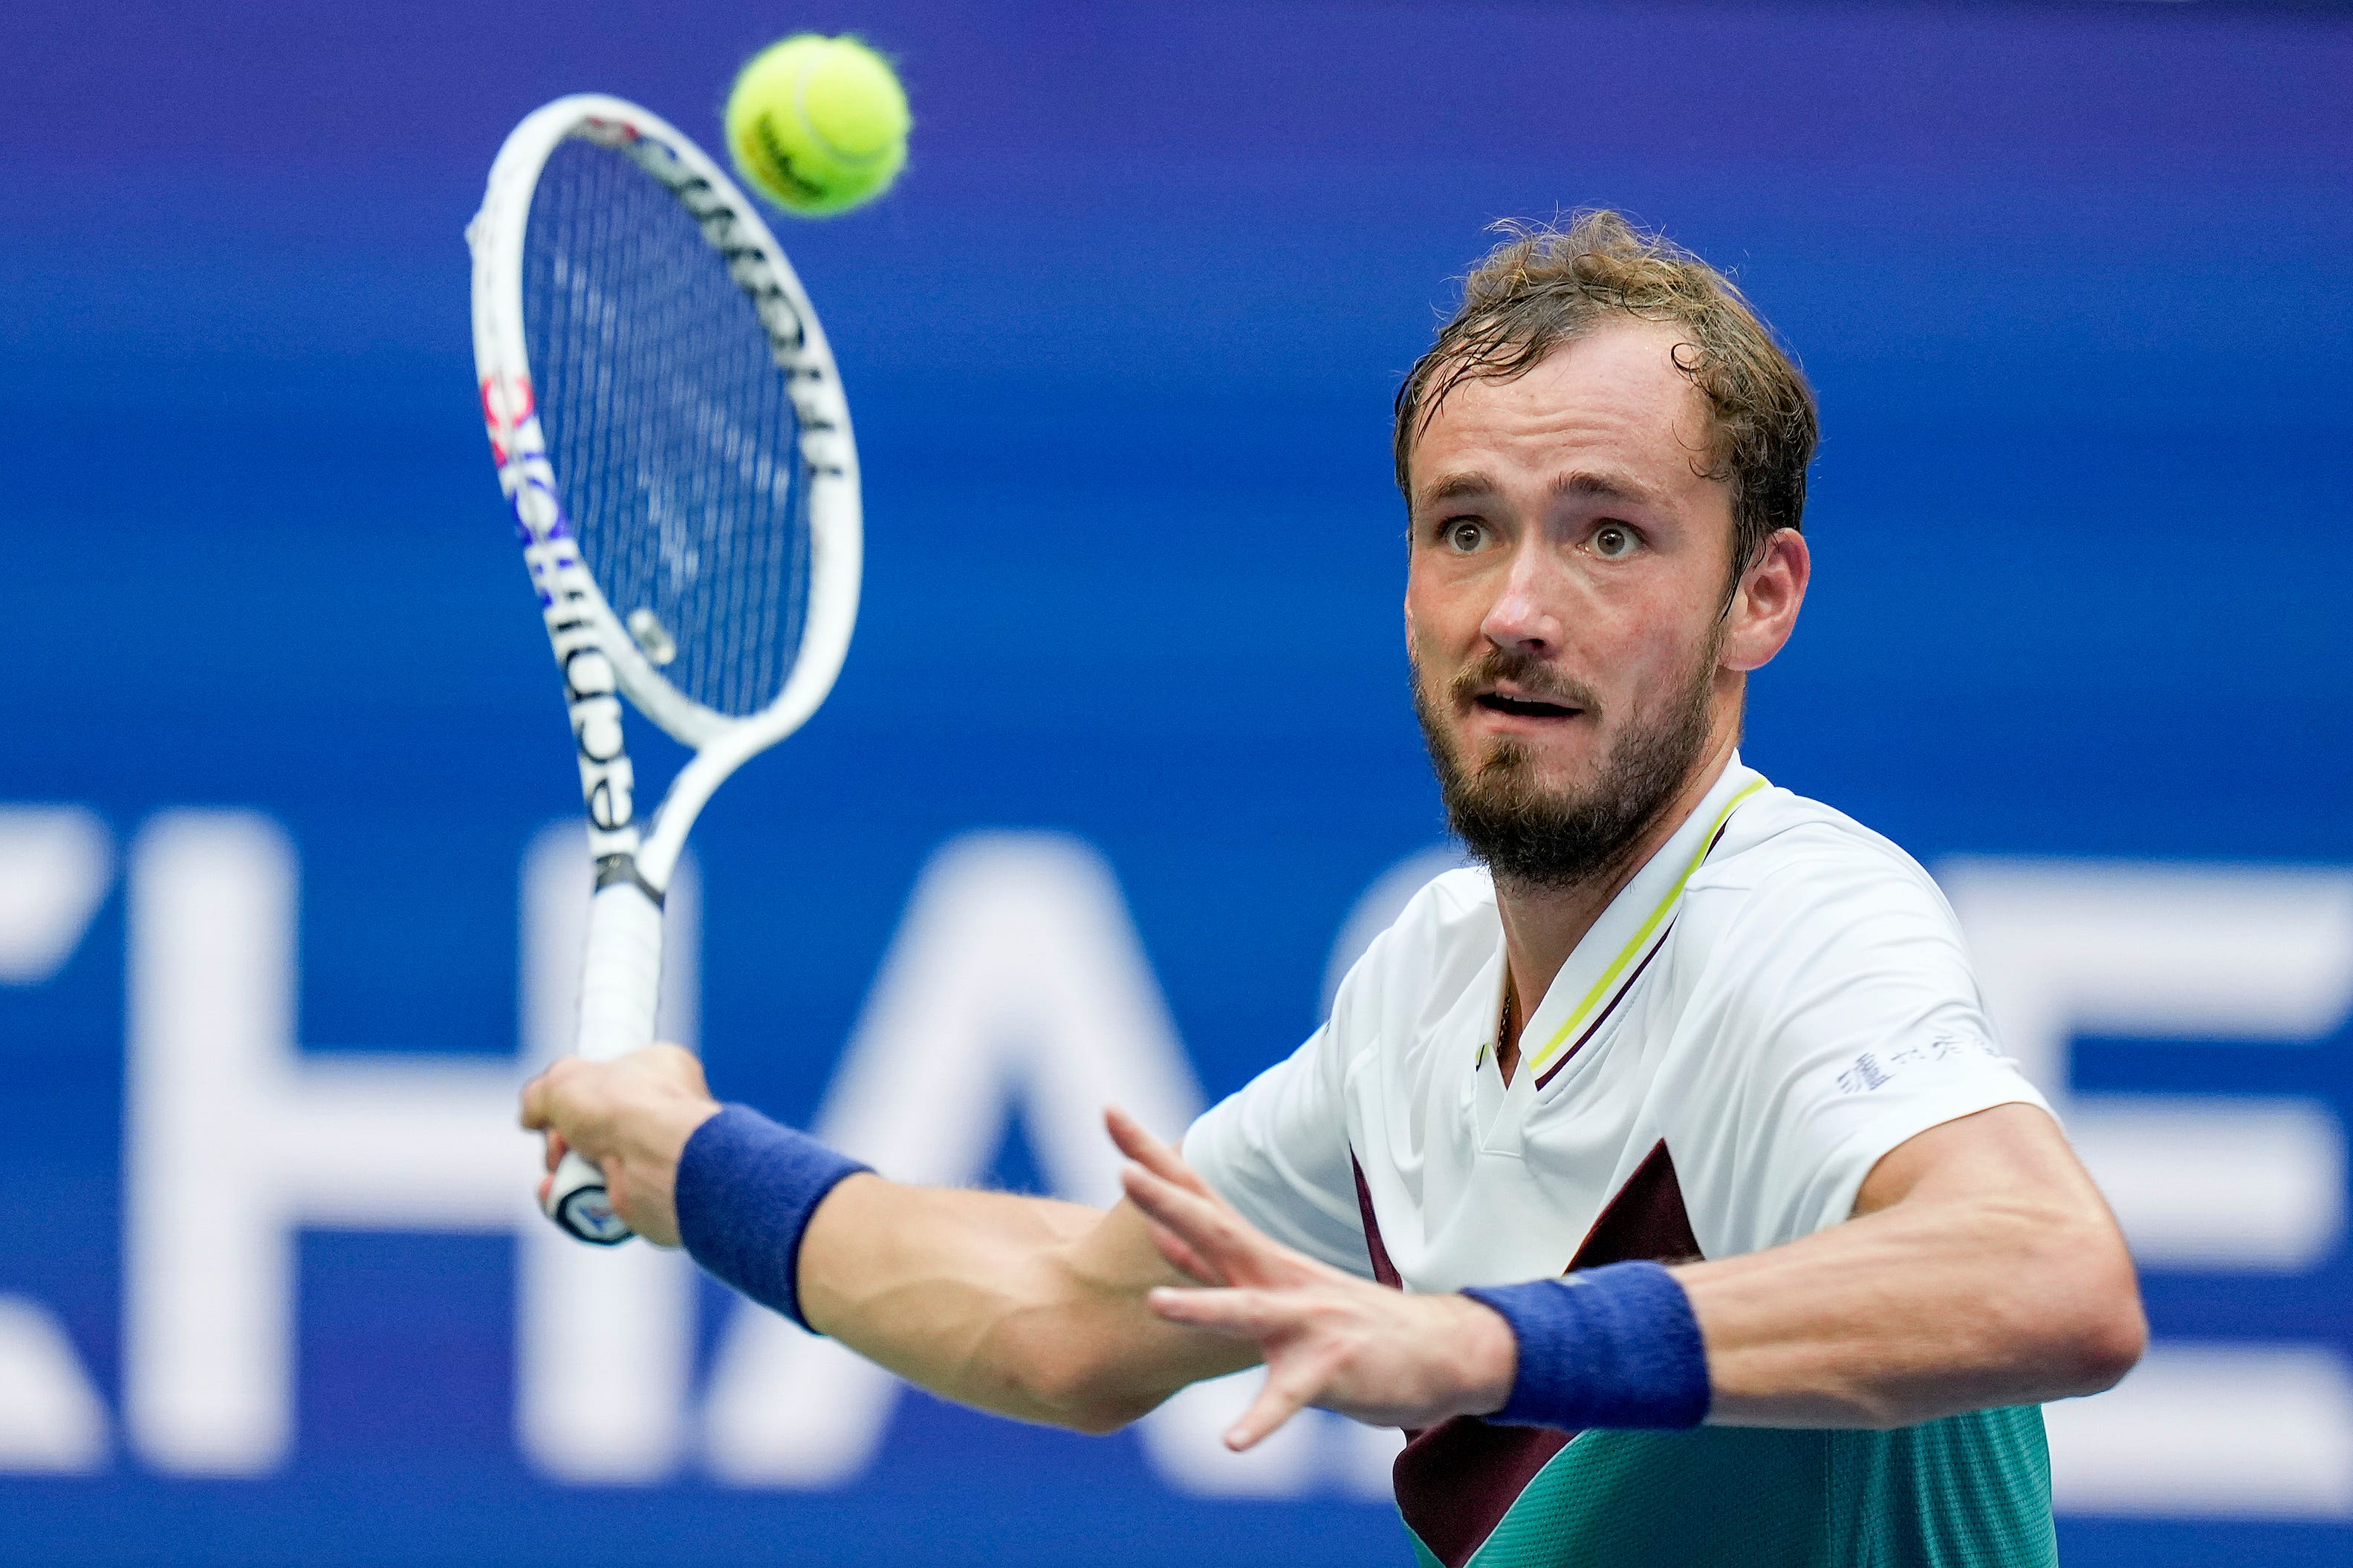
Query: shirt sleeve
x=1278 y=1151
x=1833 y=1015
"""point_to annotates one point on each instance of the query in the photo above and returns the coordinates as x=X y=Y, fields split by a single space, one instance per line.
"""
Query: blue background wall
x=2073 y=282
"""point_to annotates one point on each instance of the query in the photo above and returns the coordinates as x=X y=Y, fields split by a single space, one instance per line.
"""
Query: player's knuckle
x=1299 y=1381
x=1346 y=1353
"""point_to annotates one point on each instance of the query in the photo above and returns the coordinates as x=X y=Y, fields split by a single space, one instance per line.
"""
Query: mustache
x=1531 y=675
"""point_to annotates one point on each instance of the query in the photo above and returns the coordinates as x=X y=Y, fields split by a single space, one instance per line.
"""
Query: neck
x=1543 y=925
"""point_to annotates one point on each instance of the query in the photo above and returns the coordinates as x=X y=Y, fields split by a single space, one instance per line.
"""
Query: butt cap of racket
x=577 y=1200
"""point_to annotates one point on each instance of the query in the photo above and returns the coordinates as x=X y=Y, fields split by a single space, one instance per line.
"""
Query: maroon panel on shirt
x=1383 y=1270
x=1646 y=1222
x=1456 y=1480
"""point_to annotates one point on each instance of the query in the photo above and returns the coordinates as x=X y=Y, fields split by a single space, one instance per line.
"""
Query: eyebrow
x=1582 y=485
x=1587 y=486
x=1458 y=486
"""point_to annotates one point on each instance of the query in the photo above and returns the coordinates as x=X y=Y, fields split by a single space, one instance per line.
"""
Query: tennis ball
x=819 y=124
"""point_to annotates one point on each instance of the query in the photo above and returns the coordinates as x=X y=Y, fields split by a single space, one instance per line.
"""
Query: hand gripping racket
x=672 y=437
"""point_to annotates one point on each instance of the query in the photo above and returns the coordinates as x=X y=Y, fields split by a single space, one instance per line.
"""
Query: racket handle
x=620 y=980
x=577 y=1203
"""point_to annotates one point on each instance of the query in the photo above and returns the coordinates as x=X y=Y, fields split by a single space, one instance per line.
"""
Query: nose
x=1521 y=617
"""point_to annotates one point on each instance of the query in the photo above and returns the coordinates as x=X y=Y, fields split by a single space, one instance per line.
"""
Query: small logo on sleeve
x=1873 y=1070
x=1864 y=1075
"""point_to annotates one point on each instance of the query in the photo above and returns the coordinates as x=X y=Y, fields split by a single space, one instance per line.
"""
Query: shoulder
x=1781 y=835
x=1792 y=878
x=1446 y=934
x=1453 y=909
x=1826 y=1013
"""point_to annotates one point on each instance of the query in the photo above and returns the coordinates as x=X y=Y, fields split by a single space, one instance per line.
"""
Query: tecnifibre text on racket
x=672 y=437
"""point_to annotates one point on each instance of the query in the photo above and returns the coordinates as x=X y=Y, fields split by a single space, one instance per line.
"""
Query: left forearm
x=1917 y=1311
x=1979 y=1267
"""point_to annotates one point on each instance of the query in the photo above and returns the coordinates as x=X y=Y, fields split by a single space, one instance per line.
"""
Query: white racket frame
x=601 y=662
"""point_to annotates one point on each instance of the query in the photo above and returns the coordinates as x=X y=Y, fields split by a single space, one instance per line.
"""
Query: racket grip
x=620 y=975
x=620 y=981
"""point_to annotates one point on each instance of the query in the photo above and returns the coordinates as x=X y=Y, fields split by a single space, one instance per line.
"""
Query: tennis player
x=1664 y=1178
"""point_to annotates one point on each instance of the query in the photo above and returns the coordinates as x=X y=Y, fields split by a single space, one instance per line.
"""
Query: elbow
x=2095 y=1329
x=1072 y=1386
x=1080 y=1395
x=1100 y=1418
x=2106 y=1344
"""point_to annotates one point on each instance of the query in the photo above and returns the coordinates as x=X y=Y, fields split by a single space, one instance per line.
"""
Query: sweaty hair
x=1546 y=285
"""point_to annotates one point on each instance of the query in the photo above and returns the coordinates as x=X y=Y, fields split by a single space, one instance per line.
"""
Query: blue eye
x=1614 y=542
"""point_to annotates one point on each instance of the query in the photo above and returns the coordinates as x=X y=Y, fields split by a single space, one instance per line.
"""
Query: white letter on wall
x=55 y=862
x=1015 y=977
x=236 y=1139
x=606 y=1333
x=2225 y=1183
x=2068 y=948
x=233 y=1139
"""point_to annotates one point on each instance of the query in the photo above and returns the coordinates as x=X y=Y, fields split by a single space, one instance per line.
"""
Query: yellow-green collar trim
x=1537 y=1064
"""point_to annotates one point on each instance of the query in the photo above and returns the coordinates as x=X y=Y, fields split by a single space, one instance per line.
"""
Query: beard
x=1535 y=838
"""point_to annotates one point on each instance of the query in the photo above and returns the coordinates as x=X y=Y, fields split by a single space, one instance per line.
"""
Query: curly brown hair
x=1546 y=285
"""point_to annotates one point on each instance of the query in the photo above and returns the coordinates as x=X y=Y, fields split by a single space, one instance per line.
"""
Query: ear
x=1764 y=609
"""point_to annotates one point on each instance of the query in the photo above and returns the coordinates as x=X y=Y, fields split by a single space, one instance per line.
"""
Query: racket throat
x=613 y=870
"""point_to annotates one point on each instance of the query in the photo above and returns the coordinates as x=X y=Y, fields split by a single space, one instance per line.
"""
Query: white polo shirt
x=1777 y=999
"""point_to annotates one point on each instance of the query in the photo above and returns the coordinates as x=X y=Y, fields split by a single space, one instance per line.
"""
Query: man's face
x=1564 y=603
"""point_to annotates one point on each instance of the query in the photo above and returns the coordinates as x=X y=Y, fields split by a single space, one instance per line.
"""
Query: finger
x=1181 y=1257
x=1287 y=1392
x=535 y=1104
x=1161 y=1159
x=1242 y=1314
x=1164 y=1202
x=1211 y=1230
x=1128 y=1133
x=555 y=1150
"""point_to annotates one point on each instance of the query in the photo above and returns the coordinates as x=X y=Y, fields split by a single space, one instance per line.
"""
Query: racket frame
x=601 y=663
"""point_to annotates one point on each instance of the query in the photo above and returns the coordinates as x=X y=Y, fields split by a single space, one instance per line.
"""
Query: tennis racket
x=671 y=435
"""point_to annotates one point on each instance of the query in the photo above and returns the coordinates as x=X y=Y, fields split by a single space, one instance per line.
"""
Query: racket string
x=670 y=427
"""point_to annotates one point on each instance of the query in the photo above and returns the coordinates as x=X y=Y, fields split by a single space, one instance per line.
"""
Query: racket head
x=670 y=427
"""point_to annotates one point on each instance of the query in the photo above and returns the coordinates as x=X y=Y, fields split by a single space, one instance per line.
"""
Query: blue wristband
x=1604 y=1347
x=746 y=1188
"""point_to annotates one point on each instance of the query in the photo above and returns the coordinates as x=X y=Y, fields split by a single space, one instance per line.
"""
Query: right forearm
x=1024 y=1306
x=1027 y=1306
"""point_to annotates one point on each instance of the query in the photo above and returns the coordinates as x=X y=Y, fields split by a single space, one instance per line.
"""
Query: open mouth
x=1524 y=707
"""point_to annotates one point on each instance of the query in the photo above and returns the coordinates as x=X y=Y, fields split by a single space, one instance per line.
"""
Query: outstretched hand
x=1328 y=1339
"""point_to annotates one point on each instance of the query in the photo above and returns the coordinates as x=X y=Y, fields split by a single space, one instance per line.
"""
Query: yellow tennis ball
x=819 y=124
